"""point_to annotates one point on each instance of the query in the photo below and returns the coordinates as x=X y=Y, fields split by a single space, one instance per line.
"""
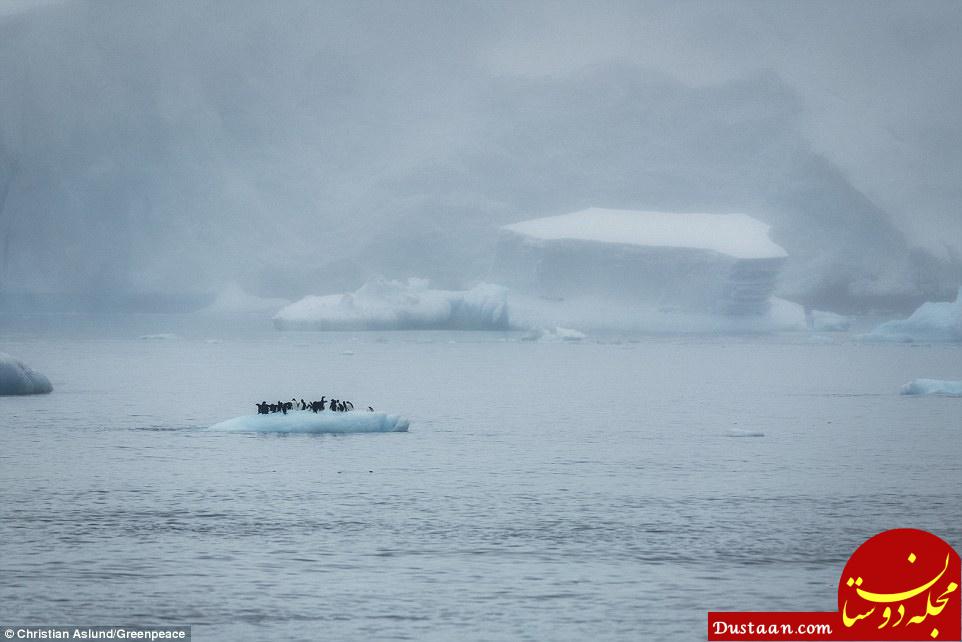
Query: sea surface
x=545 y=491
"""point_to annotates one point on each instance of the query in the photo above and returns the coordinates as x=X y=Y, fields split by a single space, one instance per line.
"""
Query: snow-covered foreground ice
x=301 y=421
x=394 y=305
x=17 y=378
x=933 y=321
x=933 y=387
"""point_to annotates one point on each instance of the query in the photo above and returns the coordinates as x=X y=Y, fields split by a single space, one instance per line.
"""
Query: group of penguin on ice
x=334 y=405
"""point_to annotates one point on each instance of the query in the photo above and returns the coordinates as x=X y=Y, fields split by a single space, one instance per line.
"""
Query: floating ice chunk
x=933 y=387
x=394 y=305
x=822 y=321
x=933 y=321
x=163 y=336
x=301 y=421
x=234 y=300
x=738 y=432
x=551 y=335
x=17 y=378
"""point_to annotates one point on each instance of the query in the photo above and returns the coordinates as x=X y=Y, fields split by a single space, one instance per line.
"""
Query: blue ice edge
x=315 y=423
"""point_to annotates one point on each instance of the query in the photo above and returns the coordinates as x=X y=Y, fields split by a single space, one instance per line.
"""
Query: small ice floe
x=162 y=336
x=738 y=432
x=553 y=335
x=347 y=353
x=939 y=387
x=17 y=378
x=356 y=421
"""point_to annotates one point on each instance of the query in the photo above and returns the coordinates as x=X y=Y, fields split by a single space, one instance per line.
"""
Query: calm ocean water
x=546 y=490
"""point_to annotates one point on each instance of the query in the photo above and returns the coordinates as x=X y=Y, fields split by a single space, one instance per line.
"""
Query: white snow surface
x=938 y=387
x=737 y=235
x=304 y=421
x=381 y=304
x=932 y=321
x=17 y=378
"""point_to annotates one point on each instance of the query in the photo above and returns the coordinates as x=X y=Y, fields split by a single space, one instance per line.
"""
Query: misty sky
x=304 y=146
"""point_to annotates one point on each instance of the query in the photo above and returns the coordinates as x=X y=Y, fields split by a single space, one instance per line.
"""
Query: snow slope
x=319 y=423
x=17 y=378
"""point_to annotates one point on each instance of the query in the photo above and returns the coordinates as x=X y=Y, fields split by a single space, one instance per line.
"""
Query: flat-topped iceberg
x=933 y=387
x=319 y=423
x=932 y=321
x=17 y=378
x=693 y=263
x=381 y=304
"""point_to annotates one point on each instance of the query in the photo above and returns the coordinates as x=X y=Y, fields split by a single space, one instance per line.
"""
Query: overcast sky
x=184 y=126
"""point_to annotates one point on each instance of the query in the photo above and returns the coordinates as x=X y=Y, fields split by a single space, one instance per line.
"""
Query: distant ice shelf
x=301 y=421
x=17 y=378
x=381 y=304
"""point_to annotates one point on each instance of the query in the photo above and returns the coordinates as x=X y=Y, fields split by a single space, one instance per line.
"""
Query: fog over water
x=151 y=154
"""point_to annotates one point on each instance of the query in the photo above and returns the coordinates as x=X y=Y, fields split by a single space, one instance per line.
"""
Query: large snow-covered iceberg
x=319 y=423
x=938 y=387
x=932 y=321
x=17 y=378
x=381 y=304
x=689 y=263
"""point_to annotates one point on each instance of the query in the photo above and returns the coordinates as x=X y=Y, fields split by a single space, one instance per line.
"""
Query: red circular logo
x=902 y=584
